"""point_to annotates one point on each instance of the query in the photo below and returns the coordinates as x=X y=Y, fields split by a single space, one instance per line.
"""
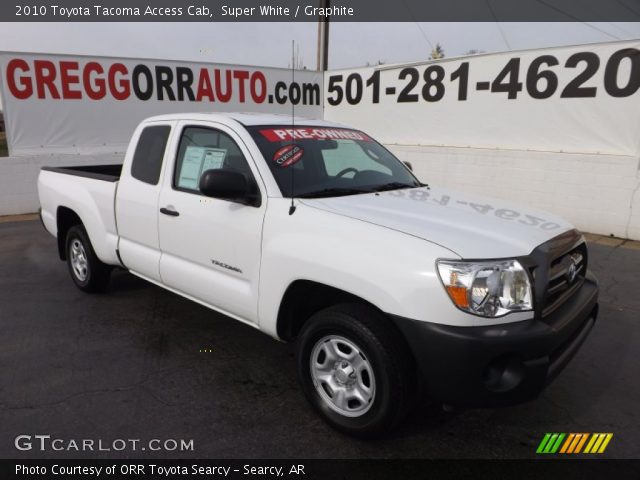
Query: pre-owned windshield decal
x=288 y=155
x=311 y=133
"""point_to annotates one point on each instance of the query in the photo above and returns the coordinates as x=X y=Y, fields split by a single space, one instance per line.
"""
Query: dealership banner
x=88 y=105
x=581 y=99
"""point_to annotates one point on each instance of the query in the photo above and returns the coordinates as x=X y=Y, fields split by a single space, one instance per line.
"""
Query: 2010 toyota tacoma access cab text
x=315 y=233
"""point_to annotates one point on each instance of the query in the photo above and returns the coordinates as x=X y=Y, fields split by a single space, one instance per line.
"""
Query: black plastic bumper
x=500 y=364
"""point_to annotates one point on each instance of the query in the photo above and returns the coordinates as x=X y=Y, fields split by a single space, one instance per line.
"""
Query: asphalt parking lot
x=131 y=364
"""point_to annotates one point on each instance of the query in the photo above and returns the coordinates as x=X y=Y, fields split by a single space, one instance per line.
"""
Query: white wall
x=597 y=193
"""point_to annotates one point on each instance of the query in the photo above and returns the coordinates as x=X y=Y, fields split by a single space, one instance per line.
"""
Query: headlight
x=491 y=289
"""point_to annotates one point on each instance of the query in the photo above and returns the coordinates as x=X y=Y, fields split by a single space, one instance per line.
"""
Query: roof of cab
x=246 y=118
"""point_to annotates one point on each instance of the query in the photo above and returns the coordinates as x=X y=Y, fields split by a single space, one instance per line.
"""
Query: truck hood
x=471 y=226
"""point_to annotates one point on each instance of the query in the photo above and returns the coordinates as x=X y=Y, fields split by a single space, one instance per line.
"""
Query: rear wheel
x=355 y=370
x=87 y=271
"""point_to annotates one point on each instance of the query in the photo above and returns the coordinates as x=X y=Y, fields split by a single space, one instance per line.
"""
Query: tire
x=372 y=393
x=86 y=270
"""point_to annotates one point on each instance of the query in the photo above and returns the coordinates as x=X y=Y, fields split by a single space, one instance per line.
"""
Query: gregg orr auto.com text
x=100 y=79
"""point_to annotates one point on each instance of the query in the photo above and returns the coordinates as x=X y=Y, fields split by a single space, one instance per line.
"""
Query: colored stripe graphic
x=544 y=441
x=573 y=444
x=568 y=442
x=598 y=442
x=550 y=443
x=581 y=443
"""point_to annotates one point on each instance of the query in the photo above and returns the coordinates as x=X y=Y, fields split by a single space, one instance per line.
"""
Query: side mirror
x=228 y=185
x=408 y=165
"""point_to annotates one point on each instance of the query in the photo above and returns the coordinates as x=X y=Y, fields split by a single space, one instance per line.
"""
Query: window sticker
x=197 y=160
x=213 y=158
x=285 y=134
x=288 y=155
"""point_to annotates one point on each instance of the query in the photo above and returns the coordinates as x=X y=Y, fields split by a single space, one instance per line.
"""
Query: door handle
x=171 y=213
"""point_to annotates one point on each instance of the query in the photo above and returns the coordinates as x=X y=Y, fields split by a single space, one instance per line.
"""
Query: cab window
x=147 y=158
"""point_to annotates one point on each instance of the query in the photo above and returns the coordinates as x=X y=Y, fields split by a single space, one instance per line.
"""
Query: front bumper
x=500 y=364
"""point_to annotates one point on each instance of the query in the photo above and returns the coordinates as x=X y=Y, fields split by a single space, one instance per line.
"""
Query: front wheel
x=355 y=370
x=87 y=271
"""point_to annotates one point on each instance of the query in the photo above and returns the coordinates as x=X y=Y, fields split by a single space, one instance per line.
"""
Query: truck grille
x=565 y=276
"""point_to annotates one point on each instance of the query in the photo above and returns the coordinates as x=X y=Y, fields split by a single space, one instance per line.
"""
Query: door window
x=203 y=149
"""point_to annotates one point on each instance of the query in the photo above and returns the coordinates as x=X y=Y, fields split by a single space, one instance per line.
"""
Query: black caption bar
x=310 y=11
x=318 y=469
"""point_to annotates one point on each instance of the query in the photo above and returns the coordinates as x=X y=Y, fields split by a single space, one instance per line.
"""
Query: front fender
x=389 y=269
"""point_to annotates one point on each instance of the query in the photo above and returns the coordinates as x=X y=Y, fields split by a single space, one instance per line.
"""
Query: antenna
x=292 y=208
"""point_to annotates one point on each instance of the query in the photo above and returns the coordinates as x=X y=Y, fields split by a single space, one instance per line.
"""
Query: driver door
x=210 y=247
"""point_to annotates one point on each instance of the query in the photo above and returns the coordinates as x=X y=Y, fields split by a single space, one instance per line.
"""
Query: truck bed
x=88 y=192
x=108 y=173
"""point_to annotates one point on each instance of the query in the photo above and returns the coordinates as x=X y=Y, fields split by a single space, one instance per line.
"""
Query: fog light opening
x=504 y=374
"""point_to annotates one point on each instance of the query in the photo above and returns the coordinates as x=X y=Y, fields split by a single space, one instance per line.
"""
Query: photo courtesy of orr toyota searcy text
x=99 y=79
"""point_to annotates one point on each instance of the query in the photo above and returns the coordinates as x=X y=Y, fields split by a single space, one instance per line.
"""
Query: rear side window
x=147 y=159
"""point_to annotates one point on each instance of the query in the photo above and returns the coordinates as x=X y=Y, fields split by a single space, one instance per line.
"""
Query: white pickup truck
x=315 y=233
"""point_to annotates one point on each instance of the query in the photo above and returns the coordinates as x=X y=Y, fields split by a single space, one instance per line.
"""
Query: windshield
x=327 y=162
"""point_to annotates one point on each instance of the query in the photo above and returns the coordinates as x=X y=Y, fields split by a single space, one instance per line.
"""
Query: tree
x=437 y=53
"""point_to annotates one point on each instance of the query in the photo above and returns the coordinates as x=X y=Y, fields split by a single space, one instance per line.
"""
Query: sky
x=269 y=44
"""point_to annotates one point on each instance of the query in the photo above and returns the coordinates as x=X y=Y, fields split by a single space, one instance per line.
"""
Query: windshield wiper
x=334 y=192
x=393 y=186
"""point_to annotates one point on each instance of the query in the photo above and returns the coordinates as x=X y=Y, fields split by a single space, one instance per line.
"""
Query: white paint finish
x=136 y=206
x=372 y=246
x=392 y=270
x=92 y=200
x=597 y=193
x=210 y=229
x=471 y=226
x=246 y=118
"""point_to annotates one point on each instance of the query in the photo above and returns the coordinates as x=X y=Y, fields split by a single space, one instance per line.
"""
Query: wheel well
x=302 y=299
x=65 y=219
